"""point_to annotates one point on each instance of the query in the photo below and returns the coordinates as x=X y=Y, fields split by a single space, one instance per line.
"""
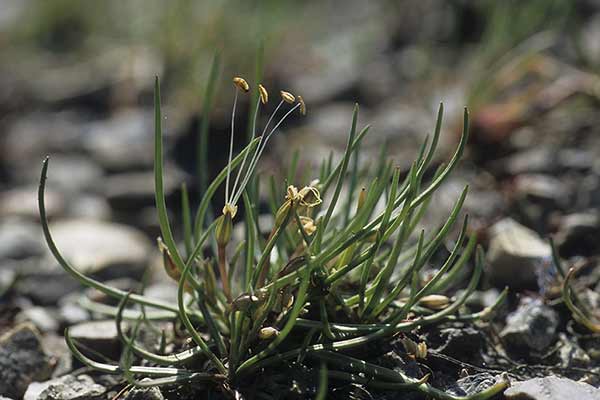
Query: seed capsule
x=287 y=97
x=264 y=95
x=435 y=301
x=223 y=229
x=267 y=333
x=421 y=350
x=302 y=105
x=244 y=302
x=241 y=84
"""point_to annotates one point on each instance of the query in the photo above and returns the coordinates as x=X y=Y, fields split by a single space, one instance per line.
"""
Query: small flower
x=264 y=95
x=241 y=84
x=308 y=224
x=287 y=97
x=308 y=196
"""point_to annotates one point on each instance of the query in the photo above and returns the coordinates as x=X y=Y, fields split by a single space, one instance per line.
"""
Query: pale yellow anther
x=302 y=105
x=287 y=97
x=264 y=95
x=241 y=84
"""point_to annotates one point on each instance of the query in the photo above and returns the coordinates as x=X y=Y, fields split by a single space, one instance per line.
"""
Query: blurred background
x=76 y=82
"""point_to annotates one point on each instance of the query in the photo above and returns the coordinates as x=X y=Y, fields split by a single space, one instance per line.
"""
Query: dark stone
x=578 y=233
x=531 y=327
x=56 y=284
x=463 y=343
x=22 y=360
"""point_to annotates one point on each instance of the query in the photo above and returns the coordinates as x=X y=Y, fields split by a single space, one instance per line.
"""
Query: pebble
x=515 y=254
x=20 y=238
x=22 y=360
x=551 y=388
x=68 y=387
x=41 y=317
x=531 y=327
x=108 y=250
x=98 y=335
x=152 y=393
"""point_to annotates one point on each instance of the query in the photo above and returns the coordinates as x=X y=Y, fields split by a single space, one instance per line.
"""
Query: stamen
x=302 y=105
x=241 y=84
x=231 y=145
x=287 y=97
x=264 y=95
x=253 y=166
x=241 y=168
x=258 y=146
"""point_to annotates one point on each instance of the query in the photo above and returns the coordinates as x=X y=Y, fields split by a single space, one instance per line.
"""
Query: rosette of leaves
x=331 y=276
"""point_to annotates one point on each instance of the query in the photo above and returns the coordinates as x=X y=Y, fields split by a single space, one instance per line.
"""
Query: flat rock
x=23 y=202
x=532 y=326
x=515 y=254
x=106 y=249
x=101 y=336
x=551 y=388
x=68 y=387
x=22 y=360
x=43 y=318
x=122 y=142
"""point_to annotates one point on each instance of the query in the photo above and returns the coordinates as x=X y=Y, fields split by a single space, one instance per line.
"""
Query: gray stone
x=131 y=191
x=106 y=249
x=22 y=360
x=152 y=393
x=70 y=312
x=122 y=142
x=551 y=388
x=535 y=160
x=56 y=284
x=515 y=254
x=473 y=384
x=543 y=189
x=101 y=336
x=7 y=279
x=23 y=202
x=20 y=239
x=90 y=207
x=57 y=349
x=43 y=318
x=532 y=326
x=68 y=387
x=70 y=173
x=570 y=354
